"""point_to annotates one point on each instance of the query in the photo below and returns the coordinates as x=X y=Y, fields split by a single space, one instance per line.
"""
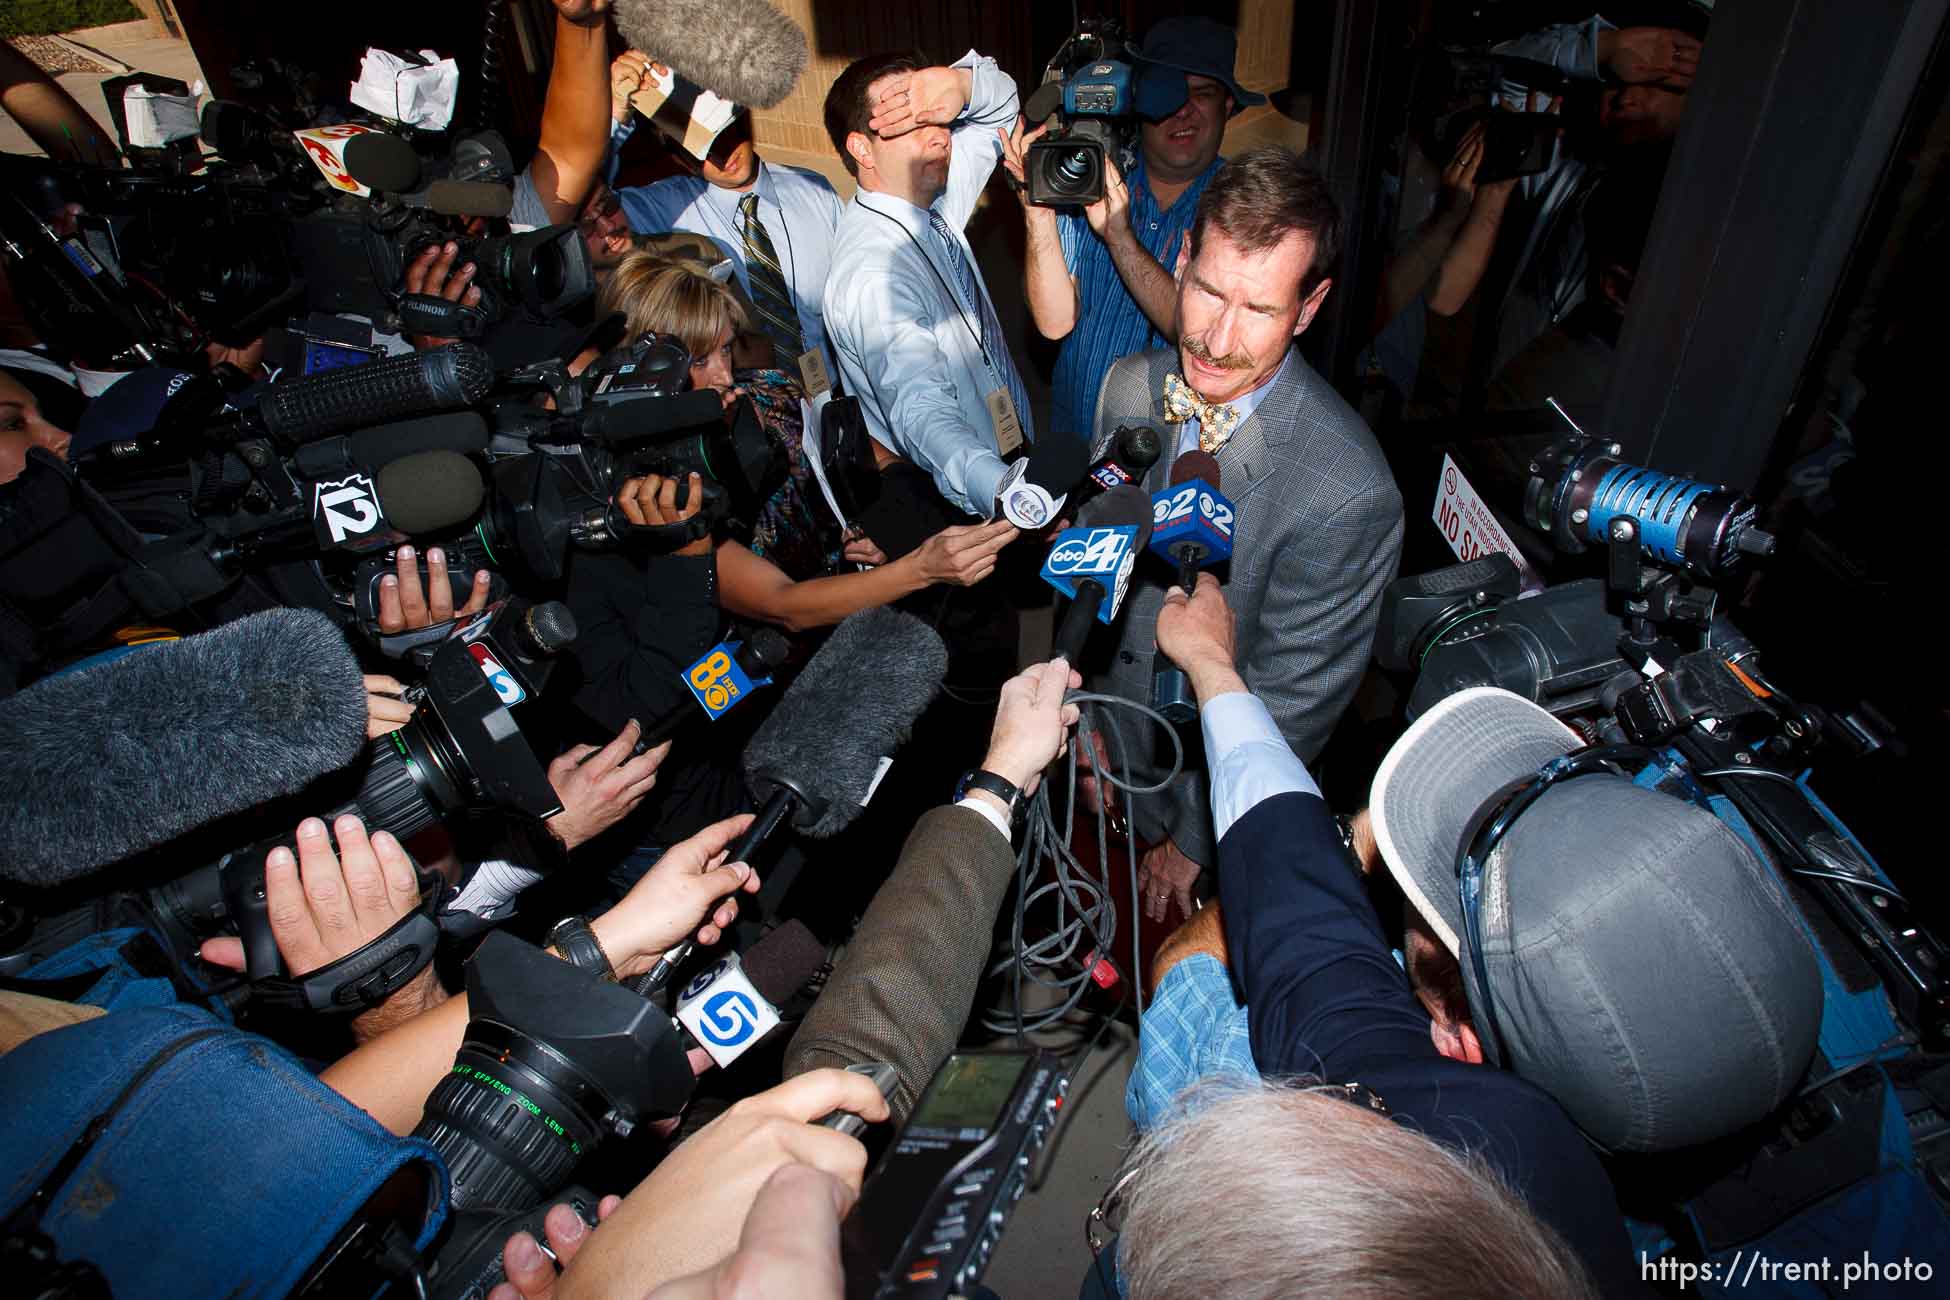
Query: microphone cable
x=1047 y=867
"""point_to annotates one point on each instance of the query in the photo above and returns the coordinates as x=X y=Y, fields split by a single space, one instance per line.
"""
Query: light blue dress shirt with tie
x=798 y=209
x=908 y=345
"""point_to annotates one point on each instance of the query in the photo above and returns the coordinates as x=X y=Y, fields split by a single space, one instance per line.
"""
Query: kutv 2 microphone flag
x=717 y=680
x=1106 y=555
x=1194 y=512
x=724 y=1012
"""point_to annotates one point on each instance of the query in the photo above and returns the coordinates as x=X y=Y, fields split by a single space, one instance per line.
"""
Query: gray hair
x=1262 y=1189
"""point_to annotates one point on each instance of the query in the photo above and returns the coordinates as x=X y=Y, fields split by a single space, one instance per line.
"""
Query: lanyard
x=946 y=287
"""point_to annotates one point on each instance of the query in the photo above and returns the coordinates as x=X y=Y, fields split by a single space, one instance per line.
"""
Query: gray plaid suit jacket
x=1318 y=534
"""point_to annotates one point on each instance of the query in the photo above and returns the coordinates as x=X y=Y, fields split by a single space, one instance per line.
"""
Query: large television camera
x=1090 y=86
x=463 y=754
x=1645 y=656
x=632 y=412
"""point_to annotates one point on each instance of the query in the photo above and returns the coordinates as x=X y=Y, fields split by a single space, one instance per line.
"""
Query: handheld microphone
x=742 y=50
x=430 y=491
x=383 y=162
x=1192 y=519
x=1128 y=456
x=353 y=397
x=1094 y=560
x=878 y=671
x=375 y=448
x=730 y=1007
x=722 y=680
x=1035 y=487
x=124 y=755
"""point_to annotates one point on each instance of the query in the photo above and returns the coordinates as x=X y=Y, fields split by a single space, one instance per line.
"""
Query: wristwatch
x=999 y=786
x=572 y=937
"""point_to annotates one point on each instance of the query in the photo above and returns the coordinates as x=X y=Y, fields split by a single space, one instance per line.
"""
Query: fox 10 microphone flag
x=1106 y=555
x=1194 y=512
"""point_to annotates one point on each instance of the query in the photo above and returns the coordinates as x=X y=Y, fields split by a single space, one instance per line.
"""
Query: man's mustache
x=1230 y=361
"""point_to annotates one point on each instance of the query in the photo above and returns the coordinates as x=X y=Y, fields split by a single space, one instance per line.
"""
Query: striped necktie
x=776 y=314
x=992 y=341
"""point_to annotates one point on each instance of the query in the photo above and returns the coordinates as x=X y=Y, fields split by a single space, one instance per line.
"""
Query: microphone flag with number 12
x=1105 y=554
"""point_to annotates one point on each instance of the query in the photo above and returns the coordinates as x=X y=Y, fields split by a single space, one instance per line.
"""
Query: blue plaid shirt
x=1193 y=1028
x=1110 y=324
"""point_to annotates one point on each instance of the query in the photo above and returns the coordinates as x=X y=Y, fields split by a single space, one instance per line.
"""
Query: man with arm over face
x=907 y=314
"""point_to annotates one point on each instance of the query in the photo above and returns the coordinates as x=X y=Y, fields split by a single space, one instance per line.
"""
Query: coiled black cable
x=1085 y=911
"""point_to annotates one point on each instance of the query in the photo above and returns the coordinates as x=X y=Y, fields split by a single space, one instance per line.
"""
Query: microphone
x=730 y=1007
x=722 y=680
x=382 y=162
x=115 y=758
x=430 y=491
x=381 y=445
x=352 y=397
x=385 y=162
x=1093 y=561
x=876 y=674
x=1035 y=487
x=1194 y=531
x=742 y=50
x=1130 y=453
x=1193 y=520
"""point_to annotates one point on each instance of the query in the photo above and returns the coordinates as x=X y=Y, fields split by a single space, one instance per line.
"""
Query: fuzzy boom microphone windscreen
x=742 y=50
x=128 y=754
x=853 y=706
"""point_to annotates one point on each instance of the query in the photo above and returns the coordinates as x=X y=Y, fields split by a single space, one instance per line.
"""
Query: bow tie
x=1215 y=419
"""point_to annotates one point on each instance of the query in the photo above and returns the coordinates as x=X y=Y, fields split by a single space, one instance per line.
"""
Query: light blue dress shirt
x=798 y=209
x=906 y=346
x=1246 y=405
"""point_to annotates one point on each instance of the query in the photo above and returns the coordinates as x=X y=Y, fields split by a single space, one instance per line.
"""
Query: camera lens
x=546 y=273
x=1074 y=174
x=511 y=1120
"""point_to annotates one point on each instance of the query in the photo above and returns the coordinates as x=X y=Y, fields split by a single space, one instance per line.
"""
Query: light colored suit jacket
x=1318 y=534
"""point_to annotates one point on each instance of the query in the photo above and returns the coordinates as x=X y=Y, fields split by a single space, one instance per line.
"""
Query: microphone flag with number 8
x=718 y=681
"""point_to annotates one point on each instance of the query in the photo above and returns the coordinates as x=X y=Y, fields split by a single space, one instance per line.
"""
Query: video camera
x=1090 y=83
x=462 y=754
x=1457 y=88
x=633 y=412
x=324 y=218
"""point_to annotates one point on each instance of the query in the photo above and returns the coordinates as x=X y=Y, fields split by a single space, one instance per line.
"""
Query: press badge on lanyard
x=812 y=373
x=1002 y=416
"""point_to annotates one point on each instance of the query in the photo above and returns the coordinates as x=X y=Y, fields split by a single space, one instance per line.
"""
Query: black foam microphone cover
x=383 y=162
x=782 y=960
x=1195 y=464
x=1126 y=505
x=438 y=379
x=113 y=759
x=1057 y=463
x=470 y=199
x=430 y=491
x=854 y=705
x=379 y=446
x=1138 y=448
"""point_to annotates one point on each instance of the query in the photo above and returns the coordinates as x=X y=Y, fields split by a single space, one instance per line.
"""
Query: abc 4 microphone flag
x=718 y=682
x=1105 y=554
x=725 y=1013
x=1194 y=512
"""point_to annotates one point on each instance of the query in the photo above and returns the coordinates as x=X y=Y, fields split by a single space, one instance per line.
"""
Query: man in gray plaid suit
x=1318 y=532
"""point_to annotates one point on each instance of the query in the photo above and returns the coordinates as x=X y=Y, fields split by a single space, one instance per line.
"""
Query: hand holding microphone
x=1198 y=634
x=691 y=891
x=1032 y=723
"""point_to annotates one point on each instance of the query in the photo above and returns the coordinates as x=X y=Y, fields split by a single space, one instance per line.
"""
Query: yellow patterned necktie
x=1216 y=420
